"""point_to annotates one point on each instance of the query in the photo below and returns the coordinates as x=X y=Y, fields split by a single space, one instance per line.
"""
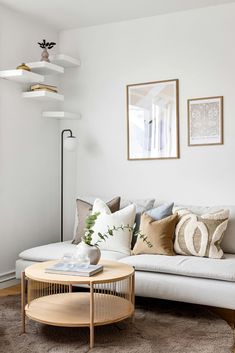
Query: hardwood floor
x=10 y=291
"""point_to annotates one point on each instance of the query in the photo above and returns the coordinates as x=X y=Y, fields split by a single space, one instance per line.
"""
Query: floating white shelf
x=61 y=115
x=22 y=76
x=45 y=68
x=43 y=95
x=64 y=60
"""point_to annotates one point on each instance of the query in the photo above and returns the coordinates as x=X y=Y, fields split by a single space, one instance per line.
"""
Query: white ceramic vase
x=93 y=252
x=45 y=55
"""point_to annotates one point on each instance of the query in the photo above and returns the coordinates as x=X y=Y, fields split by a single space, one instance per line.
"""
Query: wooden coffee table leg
x=91 y=316
x=23 y=300
x=133 y=295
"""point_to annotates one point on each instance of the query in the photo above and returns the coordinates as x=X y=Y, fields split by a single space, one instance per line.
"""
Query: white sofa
x=181 y=278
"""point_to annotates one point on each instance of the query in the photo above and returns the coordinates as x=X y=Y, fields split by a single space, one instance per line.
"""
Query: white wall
x=197 y=47
x=29 y=149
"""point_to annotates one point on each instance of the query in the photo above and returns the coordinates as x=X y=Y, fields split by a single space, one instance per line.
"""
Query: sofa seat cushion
x=112 y=255
x=191 y=266
x=56 y=251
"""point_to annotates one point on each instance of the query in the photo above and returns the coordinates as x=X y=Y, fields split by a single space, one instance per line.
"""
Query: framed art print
x=205 y=121
x=153 y=120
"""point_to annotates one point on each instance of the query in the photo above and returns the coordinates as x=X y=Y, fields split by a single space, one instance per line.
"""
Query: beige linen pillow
x=200 y=235
x=159 y=234
x=84 y=209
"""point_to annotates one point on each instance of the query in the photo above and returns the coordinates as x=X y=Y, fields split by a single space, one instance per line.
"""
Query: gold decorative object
x=23 y=66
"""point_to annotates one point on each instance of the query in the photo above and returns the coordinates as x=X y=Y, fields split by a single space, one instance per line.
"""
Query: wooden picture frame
x=205 y=121
x=153 y=120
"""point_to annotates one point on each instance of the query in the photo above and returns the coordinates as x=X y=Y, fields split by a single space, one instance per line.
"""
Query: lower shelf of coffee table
x=73 y=309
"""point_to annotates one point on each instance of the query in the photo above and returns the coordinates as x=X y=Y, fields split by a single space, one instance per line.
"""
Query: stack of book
x=43 y=87
x=62 y=268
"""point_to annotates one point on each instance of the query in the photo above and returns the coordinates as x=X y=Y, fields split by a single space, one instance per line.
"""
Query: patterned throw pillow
x=200 y=235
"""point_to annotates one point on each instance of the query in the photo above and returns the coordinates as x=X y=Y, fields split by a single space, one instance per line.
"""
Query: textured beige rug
x=160 y=327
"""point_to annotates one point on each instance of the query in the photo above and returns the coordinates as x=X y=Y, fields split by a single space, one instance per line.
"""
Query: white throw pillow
x=121 y=239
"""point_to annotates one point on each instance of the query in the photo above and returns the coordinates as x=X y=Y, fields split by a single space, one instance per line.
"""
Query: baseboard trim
x=7 y=276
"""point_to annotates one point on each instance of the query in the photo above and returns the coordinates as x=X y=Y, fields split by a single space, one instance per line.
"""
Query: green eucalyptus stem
x=144 y=238
x=90 y=222
x=110 y=232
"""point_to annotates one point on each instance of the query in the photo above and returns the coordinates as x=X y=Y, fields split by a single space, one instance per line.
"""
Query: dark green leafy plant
x=46 y=45
x=90 y=222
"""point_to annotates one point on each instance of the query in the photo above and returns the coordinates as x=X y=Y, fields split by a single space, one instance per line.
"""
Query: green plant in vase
x=45 y=46
x=92 y=249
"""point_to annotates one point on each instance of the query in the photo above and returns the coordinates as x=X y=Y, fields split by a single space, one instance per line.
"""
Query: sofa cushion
x=200 y=235
x=120 y=238
x=228 y=242
x=191 y=266
x=56 y=251
x=162 y=211
x=84 y=209
x=142 y=205
x=156 y=237
x=89 y=200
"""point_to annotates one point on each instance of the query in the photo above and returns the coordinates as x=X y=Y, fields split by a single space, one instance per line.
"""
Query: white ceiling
x=65 y=14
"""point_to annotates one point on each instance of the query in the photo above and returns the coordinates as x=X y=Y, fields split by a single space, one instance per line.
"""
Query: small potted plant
x=90 y=249
x=46 y=45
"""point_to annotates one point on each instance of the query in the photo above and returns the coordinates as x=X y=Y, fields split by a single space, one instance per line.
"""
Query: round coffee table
x=109 y=297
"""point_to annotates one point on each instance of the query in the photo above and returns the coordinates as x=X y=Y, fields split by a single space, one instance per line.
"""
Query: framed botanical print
x=153 y=120
x=205 y=121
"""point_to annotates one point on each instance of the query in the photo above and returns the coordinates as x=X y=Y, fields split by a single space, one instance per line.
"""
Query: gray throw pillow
x=162 y=211
x=142 y=205
x=157 y=213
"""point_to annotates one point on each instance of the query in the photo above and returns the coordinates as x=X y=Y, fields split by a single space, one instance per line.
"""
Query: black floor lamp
x=69 y=143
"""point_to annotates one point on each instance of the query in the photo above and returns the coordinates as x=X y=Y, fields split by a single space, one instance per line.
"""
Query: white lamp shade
x=70 y=143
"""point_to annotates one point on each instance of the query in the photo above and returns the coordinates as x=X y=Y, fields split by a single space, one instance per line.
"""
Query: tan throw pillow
x=200 y=235
x=159 y=234
x=84 y=209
